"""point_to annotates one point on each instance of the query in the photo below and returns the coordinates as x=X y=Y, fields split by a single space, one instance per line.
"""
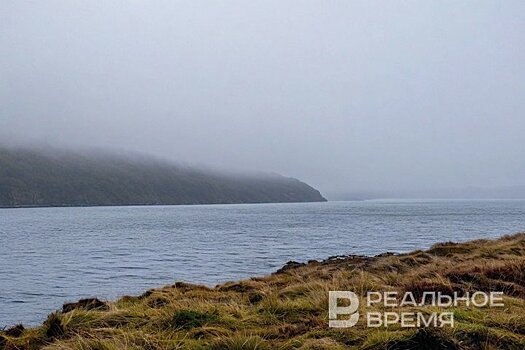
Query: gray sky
x=346 y=95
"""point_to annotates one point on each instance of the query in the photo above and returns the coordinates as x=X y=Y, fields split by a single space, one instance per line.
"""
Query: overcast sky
x=346 y=95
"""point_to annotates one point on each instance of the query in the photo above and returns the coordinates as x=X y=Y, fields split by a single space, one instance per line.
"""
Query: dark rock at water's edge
x=290 y=265
x=86 y=304
x=336 y=259
x=30 y=178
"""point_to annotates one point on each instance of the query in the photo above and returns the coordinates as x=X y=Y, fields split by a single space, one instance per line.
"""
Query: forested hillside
x=44 y=178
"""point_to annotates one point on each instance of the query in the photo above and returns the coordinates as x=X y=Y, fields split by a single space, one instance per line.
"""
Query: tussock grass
x=288 y=309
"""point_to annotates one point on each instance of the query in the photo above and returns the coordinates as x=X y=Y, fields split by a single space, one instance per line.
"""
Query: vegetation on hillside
x=32 y=178
x=288 y=310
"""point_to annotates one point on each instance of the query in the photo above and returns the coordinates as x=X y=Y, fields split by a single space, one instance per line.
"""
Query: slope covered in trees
x=34 y=178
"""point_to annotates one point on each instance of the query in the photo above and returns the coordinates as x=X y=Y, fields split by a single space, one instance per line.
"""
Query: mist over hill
x=42 y=178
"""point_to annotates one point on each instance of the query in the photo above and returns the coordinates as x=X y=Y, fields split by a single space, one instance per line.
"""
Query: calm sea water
x=52 y=255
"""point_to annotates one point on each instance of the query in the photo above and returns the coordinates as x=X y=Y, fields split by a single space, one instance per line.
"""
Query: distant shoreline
x=251 y=203
x=151 y=205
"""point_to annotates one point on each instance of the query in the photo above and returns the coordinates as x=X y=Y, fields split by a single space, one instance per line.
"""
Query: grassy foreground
x=288 y=310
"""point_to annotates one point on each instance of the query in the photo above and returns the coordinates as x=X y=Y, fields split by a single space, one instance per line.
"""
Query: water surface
x=52 y=255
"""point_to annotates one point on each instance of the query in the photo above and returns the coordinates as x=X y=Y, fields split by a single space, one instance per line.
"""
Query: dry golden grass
x=288 y=310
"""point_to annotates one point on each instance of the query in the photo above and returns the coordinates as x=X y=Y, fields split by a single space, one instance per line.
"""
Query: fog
x=345 y=95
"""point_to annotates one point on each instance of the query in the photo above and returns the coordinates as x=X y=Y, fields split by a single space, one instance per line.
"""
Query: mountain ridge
x=33 y=178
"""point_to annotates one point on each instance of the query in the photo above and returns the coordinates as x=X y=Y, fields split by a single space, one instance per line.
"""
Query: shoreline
x=252 y=203
x=288 y=308
x=147 y=205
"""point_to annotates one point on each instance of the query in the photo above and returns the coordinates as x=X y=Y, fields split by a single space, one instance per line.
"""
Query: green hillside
x=43 y=178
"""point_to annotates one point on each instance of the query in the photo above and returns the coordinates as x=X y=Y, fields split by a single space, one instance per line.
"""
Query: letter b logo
x=334 y=310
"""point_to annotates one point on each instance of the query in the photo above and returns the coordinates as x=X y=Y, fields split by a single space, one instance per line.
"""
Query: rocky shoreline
x=288 y=309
